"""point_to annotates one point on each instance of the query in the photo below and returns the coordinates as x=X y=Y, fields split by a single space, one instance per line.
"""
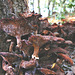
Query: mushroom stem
x=18 y=41
x=11 y=47
x=36 y=51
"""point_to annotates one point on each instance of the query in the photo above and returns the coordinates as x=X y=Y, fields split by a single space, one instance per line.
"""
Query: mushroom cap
x=10 y=57
x=16 y=27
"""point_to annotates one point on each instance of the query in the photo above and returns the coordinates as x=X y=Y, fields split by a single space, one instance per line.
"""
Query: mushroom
x=19 y=27
x=52 y=38
x=37 y=42
x=10 y=57
x=26 y=48
x=9 y=69
x=28 y=64
x=46 y=71
x=57 y=49
x=66 y=57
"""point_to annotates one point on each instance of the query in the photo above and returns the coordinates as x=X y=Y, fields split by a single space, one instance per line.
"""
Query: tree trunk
x=48 y=7
x=53 y=6
x=9 y=8
x=39 y=6
x=33 y=5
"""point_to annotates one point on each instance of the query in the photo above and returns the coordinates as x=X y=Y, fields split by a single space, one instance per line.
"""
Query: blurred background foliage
x=53 y=8
x=57 y=9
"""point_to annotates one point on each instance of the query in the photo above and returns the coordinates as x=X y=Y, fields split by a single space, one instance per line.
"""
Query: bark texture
x=9 y=8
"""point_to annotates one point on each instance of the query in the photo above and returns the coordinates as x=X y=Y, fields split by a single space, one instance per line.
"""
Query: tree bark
x=9 y=8
x=53 y=6
x=49 y=1
x=39 y=6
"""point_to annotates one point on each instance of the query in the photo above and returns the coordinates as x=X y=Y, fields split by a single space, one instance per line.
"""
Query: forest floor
x=67 y=19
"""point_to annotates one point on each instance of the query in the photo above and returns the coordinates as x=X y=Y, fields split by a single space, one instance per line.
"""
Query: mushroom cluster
x=36 y=48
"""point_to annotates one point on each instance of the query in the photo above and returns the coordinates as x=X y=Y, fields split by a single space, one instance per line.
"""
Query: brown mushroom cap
x=10 y=57
x=28 y=64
